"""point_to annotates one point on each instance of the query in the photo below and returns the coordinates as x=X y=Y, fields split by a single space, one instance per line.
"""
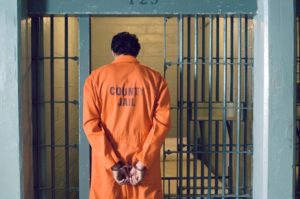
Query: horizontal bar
x=170 y=178
x=214 y=187
x=217 y=58
x=75 y=58
x=214 y=108
x=232 y=145
x=220 y=102
x=141 y=7
x=58 y=102
x=58 y=188
x=246 y=63
x=56 y=145
x=205 y=196
x=228 y=108
x=210 y=152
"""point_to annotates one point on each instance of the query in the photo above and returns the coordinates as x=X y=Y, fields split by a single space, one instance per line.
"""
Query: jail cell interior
x=207 y=62
x=213 y=64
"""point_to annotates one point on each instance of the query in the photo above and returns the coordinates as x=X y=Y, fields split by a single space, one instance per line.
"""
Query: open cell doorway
x=207 y=61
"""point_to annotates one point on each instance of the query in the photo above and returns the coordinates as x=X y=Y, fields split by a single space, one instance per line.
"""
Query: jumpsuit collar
x=125 y=59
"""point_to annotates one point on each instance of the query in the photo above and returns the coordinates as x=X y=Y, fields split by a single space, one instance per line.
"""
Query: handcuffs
x=120 y=166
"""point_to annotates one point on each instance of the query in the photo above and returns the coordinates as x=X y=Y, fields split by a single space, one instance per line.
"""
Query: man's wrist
x=140 y=166
x=117 y=166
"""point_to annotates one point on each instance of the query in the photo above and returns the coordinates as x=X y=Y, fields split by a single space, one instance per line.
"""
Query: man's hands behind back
x=125 y=174
x=121 y=175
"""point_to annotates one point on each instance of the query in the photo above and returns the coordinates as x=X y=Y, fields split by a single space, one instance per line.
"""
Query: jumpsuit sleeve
x=99 y=142
x=159 y=129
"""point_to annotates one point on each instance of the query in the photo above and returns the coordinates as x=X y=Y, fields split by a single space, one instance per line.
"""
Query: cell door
x=207 y=61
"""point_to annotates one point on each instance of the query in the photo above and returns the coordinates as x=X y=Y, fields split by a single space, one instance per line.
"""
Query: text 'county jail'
x=127 y=94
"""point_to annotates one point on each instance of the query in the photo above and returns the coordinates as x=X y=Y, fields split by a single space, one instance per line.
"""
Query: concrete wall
x=15 y=101
x=274 y=100
x=10 y=168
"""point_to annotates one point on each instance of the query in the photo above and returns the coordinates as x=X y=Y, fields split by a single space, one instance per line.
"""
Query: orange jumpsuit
x=126 y=116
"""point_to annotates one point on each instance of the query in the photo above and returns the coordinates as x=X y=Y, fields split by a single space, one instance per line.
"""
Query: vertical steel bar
x=169 y=185
x=189 y=107
x=217 y=100
x=165 y=46
x=297 y=170
x=210 y=103
x=238 y=111
x=297 y=100
x=195 y=174
x=41 y=114
x=177 y=97
x=201 y=126
x=245 y=111
x=35 y=97
x=224 y=107
x=230 y=172
x=84 y=71
x=231 y=56
x=203 y=60
x=67 y=182
x=217 y=58
x=165 y=69
x=52 y=114
x=297 y=120
x=181 y=102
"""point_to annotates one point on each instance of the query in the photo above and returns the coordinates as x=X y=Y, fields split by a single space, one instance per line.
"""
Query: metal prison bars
x=213 y=63
x=214 y=107
x=55 y=136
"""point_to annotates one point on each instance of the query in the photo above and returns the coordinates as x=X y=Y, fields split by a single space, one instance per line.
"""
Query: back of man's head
x=125 y=43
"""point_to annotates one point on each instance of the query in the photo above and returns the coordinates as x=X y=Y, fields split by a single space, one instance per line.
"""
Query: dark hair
x=126 y=44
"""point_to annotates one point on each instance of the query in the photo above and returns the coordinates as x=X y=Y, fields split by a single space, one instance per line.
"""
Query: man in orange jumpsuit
x=126 y=117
